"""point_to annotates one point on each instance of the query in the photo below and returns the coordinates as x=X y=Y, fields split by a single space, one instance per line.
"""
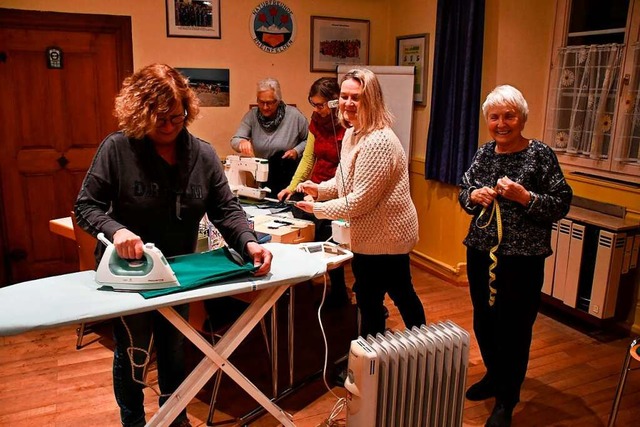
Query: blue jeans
x=168 y=343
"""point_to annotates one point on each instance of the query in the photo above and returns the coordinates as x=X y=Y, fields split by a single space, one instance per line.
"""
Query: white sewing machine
x=236 y=168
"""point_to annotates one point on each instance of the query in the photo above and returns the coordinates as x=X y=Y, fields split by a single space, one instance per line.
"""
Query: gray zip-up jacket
x=130 y=185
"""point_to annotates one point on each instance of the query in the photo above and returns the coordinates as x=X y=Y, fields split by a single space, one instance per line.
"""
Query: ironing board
x=72 y=298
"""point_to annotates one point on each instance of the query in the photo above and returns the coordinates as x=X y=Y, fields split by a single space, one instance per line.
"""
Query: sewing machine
x=236 y=169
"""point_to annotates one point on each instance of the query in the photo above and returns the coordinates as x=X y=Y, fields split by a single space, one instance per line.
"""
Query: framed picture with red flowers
x=338 y=41
x=194 y=18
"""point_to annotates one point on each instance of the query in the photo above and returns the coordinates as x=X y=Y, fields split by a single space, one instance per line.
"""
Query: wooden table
x=62 y=227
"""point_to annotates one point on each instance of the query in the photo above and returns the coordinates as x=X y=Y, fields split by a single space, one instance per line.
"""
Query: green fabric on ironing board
x=199 y=269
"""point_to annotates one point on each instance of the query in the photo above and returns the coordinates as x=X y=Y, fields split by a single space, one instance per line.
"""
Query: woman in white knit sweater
x=371 y=191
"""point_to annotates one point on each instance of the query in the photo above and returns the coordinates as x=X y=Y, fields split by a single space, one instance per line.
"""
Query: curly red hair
x=150 y=92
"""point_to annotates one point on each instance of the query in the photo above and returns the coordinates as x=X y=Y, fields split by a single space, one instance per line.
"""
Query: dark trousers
x=504 y=330
x=377 y=275
x=168 y=343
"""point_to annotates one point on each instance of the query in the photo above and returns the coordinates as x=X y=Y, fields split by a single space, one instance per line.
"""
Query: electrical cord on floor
x=147 y=358
x=341 y=402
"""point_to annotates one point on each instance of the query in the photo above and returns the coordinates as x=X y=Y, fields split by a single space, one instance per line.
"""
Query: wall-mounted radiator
x=412 y=378
x=585 y=269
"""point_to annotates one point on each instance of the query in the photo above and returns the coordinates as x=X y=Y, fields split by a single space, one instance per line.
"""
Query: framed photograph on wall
x=336 y=41
x=194 y=18
x=210 y=84
x=413 y=50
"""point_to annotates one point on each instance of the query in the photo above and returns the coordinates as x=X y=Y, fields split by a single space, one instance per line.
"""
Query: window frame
x=609 y=167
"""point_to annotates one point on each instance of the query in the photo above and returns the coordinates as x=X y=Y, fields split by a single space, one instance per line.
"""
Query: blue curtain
x=455 y=98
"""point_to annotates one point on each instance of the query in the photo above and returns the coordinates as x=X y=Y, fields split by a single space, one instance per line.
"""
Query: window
x=593 y=110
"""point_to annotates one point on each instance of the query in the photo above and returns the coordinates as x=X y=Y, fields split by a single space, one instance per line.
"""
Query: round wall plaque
x=272 y=26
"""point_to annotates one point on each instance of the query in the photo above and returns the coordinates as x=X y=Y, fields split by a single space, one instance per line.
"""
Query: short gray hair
x=506 y=95
x=270 y=84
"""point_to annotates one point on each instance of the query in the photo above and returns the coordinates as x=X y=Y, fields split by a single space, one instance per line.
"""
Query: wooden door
x=52 y=121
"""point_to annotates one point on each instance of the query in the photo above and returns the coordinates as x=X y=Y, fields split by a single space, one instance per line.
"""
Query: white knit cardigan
x=374 y=176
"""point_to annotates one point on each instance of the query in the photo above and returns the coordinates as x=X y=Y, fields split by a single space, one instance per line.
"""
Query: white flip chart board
x=397 y=89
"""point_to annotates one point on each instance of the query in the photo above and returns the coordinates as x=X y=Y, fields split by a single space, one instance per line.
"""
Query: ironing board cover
x=198 y=269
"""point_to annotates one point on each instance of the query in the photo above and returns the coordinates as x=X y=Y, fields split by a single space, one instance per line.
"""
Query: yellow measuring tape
x=492 y=252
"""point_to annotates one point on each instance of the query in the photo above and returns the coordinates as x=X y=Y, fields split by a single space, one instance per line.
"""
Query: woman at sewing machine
x=274 y=131
x=153 y=181
x=319 y=162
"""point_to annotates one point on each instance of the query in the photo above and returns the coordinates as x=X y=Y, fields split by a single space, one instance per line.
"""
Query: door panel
x=55 y=120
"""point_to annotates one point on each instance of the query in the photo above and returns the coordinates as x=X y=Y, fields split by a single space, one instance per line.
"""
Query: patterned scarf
x=270 y=124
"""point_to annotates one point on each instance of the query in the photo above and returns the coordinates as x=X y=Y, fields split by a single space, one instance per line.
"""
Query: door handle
x=63 y=161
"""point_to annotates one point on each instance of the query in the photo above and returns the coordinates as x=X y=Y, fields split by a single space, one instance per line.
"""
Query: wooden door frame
x=119 y=26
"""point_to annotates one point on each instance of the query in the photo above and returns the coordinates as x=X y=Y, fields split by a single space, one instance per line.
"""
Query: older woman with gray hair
x=275 y=131
x=515 y=190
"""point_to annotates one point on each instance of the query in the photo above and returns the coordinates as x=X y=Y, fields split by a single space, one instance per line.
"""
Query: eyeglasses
x=175 y=120
x=319 y=106
x=267 y=103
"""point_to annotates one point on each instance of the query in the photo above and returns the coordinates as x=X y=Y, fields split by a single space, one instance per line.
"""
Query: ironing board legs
x=273 y=356
x=218 y=374
x=216 y=357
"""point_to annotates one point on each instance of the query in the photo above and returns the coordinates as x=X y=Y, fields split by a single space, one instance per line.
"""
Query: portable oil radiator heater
x=410 y=378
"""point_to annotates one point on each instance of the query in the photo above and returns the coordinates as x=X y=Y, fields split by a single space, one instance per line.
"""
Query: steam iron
x=146 y=274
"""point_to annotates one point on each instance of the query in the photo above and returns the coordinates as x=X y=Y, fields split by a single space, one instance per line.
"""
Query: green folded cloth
x=200 y=269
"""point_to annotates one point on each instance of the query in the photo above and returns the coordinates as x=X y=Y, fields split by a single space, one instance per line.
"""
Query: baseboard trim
x=456 y=275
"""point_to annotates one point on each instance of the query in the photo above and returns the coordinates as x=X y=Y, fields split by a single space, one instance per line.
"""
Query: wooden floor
x=571 y=379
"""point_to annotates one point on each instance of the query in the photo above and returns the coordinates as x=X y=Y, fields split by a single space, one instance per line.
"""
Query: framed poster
x=336 y=41
x=413 y=50
x=194 y=18
x=211 y=85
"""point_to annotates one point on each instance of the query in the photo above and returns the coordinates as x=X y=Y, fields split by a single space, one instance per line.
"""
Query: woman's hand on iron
x=128 y=245
x=261 y=258
x=483 y=196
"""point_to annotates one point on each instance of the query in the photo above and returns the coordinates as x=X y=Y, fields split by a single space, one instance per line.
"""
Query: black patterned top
x=525 y=230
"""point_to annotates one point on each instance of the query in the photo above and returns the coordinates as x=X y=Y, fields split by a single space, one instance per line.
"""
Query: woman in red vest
x=319 y=162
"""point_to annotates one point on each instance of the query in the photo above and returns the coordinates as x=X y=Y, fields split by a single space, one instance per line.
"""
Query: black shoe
x=481 y=390
x=500 y=416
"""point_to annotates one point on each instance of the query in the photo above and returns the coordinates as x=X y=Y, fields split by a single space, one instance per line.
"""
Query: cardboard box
x=285 y=230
